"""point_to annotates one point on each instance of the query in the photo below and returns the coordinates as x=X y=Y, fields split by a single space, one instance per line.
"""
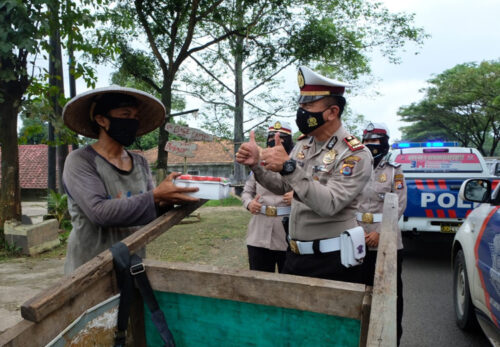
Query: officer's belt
x=369 y=218
x=273 y=211
x=316 y=246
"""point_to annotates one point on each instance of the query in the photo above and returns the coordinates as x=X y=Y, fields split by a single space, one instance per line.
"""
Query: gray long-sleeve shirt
x=106 y=204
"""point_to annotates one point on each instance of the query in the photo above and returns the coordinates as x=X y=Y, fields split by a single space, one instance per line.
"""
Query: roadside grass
x=218 y=238
x=231 y=201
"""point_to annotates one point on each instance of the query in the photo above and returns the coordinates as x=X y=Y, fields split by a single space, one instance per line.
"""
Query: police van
x=434 y=172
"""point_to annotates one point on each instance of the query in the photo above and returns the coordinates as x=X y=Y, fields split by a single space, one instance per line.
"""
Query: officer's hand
x=274 y=157
x=287 y=198
x=254 y=206
x=168 y=192
x=248 y=154
x=372 y=238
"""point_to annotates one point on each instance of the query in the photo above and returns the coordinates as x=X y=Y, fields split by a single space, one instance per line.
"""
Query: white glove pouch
x=352 y=247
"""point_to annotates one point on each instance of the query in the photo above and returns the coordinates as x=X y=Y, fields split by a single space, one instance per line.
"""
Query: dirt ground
x=23 y=278
x=20 y=280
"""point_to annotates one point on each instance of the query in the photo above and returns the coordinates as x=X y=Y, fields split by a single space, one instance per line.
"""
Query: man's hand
x=287 y=198
x=254 y=206
x=168 y=193
x=248 y=154
x=372 y=238
x=274 y=157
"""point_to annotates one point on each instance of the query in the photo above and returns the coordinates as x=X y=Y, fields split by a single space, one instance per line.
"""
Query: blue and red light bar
x=424 y=144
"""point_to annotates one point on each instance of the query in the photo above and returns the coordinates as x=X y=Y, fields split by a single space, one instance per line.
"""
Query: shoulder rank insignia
x=353 y=143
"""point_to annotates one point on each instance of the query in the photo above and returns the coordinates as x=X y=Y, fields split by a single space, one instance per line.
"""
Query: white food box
x=211 y=188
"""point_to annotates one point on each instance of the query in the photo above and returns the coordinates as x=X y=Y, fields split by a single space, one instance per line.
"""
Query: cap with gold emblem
x=313 y=86
x=282 y=127
x=376 y=131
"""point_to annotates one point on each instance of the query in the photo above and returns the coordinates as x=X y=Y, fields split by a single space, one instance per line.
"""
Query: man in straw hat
x=327 y=169
x=266 y=236
x=110 y=190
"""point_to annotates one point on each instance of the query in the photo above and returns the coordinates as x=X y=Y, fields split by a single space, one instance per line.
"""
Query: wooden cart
x=210 y=306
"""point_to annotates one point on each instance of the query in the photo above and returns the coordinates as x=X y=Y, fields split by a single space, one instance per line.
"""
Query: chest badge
x=300 y=155
x=382 y=178
x=329 y=157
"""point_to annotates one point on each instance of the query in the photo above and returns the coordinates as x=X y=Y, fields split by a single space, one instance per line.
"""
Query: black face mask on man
x=377 y=150
x=123 y=130
x=309 y=121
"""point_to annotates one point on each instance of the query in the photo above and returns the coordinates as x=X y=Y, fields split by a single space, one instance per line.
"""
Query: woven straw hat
x=77 y=113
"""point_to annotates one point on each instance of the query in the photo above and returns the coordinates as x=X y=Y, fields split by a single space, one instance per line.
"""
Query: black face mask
x=123 y=130
x=287 y=142
x=309 y=121
x=378 y=151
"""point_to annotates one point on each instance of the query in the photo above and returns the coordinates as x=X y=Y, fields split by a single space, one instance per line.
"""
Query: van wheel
x=464 y=310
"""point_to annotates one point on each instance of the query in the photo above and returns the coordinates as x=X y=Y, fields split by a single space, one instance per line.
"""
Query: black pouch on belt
x=285 y=222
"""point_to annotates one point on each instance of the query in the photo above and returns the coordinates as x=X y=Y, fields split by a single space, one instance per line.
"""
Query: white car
x=476 y=261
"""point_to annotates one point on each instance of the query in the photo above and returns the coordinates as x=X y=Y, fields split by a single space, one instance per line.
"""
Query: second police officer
x=266 y=236
x=387 y=177
x=327 y=170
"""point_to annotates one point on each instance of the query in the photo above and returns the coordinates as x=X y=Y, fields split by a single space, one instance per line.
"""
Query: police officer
x=327 y=169
x=387 y=177
x=266 y=236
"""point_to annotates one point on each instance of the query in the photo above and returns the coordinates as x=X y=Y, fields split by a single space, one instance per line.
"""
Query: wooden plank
x=365 y=316
x=382 y=329
x=341 y=299
x=27 y=333
x=100 y=266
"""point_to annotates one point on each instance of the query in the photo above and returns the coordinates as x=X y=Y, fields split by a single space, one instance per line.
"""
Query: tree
x=22 y=25
x=335 y=36
x=461 y=104
x=174 y=32
x=24 y=36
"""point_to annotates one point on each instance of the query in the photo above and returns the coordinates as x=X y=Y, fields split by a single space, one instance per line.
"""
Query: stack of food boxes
x=211 y=188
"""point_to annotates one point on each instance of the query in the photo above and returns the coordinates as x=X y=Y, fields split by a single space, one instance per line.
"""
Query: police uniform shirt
x=326 y=183
x=386 y=178
x=264 y=231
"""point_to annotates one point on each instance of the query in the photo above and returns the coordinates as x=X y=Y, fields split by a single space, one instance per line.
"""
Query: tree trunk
x=166 y=99
x=56 y=82
x=10 y=197
x=72 y=80
x=239 y=170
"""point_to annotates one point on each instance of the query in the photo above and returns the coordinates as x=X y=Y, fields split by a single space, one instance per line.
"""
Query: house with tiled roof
x=33 y=171
x=210 y=159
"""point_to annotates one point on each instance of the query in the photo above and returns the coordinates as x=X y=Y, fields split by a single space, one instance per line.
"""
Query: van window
x=439 y=162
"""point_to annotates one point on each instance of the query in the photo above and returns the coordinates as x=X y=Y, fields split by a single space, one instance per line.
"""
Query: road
x=429 y=316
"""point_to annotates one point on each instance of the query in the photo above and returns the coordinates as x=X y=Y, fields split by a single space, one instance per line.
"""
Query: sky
x=461 y=31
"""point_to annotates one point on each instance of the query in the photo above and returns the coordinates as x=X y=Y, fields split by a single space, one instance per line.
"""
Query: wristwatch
x=288 y=167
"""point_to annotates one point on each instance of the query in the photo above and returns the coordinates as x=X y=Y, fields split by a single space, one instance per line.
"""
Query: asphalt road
x=428 y=315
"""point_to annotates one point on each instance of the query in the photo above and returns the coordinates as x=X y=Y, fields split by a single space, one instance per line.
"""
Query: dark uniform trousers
x=321 y=265
x=263 y=259
x=369 y=275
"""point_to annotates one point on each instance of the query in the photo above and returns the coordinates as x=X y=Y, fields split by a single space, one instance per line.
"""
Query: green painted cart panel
x=202 y=321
